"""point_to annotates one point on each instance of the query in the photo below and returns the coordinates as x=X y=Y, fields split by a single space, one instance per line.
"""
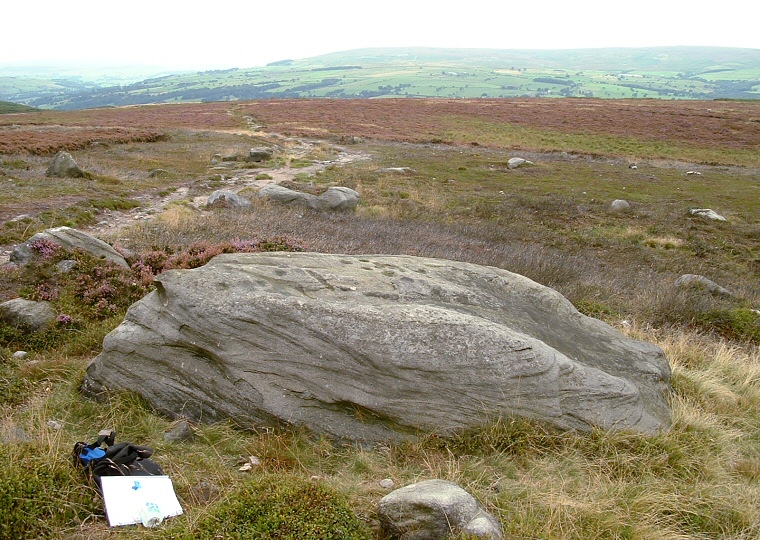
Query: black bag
x=104 y=458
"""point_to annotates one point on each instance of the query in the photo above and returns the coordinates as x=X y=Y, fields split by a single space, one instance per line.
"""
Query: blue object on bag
x=89 y=454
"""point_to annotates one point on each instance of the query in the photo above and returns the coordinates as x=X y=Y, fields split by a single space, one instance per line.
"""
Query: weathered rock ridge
x=376 y=348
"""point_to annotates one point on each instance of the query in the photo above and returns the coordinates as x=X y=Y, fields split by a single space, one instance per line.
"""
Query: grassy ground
x=551 y=222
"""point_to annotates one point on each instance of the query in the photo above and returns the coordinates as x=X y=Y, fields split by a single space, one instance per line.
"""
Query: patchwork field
x=435 y=181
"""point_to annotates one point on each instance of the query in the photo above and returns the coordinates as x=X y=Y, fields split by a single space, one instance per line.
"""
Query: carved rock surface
x=376 y=348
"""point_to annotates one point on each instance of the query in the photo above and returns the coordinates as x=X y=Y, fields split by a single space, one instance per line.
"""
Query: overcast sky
x=223 y=34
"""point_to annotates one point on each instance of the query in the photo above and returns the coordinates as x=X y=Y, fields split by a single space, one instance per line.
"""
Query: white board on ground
x=126 y=497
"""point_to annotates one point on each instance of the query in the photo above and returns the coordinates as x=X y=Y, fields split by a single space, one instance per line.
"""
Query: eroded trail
x=233 y=177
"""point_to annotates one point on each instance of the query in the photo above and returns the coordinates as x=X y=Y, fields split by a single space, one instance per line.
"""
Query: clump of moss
x=39 y=495
x=278 y=507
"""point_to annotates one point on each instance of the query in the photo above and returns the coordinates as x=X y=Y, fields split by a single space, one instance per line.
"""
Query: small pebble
x=387 y=483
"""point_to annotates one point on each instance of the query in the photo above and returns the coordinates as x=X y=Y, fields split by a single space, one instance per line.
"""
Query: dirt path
x=151 y=205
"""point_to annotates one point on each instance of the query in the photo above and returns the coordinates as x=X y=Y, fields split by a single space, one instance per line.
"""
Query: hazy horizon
x=173 y=36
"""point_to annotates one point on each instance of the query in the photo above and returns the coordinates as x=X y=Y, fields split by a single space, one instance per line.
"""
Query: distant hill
x=656 y=72
x=7 y=107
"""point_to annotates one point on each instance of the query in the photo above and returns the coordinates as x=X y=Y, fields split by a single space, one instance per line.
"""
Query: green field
x=662 y=73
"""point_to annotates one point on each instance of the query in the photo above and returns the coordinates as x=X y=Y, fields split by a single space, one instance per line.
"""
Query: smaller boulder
x=227 y=199
x=433 y=510
x=516 y=162
x=64 y=166
x=706 y=213
x=282 y=195
x=158 y=173
x=620 y=205
x=259 y=153
x=695 y=281
x=396 y=170
x=180 y=432
x=20 y=355
x=68 y=239
x=340 y=199
x=27 y=315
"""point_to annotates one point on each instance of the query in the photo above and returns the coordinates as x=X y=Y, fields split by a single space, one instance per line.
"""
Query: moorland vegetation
x=457 y=199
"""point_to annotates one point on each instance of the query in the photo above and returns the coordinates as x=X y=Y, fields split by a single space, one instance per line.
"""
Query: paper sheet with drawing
x=126 y=497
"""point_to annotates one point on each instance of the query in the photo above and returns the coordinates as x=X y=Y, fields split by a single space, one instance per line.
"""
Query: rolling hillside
x=660 y=73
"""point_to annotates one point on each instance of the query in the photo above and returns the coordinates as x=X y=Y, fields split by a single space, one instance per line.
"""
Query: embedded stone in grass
x=259 y=153
x=376 y=348
x=434 y=509
x=64 y=166
x=706 y=213
x=44 y=243
x=334 y=199
x=27 y=315
x=516 y=162
x=227 y=199
x=695 y=281
x=620 y=205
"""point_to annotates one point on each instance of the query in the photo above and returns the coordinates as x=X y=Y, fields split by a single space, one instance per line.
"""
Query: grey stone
x=695 y=281
x=158 y=173
x=433 y=510
x=64 y=166
x=20 y=355
x=66 y=266
x=27 y=315
x=69 y=239
x=334 y=199
x=181 y=431
x=376 y=348
x=17 y=435
x=706 y=213
x=227 y=199
x=259 y=153
x=620 y=205
x=387 y=483
x=516 y=162
x=339 y=199
x=397 y=170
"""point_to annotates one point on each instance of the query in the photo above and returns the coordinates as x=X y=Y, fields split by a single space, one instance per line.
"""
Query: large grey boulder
x=227 y=199
x=64 y=166
x=334 y=199
x=27 y=315
x=376 y=348
x=433 y=510
x=69 y=239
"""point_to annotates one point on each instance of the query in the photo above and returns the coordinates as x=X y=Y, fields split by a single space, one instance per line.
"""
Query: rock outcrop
x=68 y=239
x=259 y=153
x=64 y=166
x=433 y=510
x=376 y=348
x=227 y=199
x=334 y=199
